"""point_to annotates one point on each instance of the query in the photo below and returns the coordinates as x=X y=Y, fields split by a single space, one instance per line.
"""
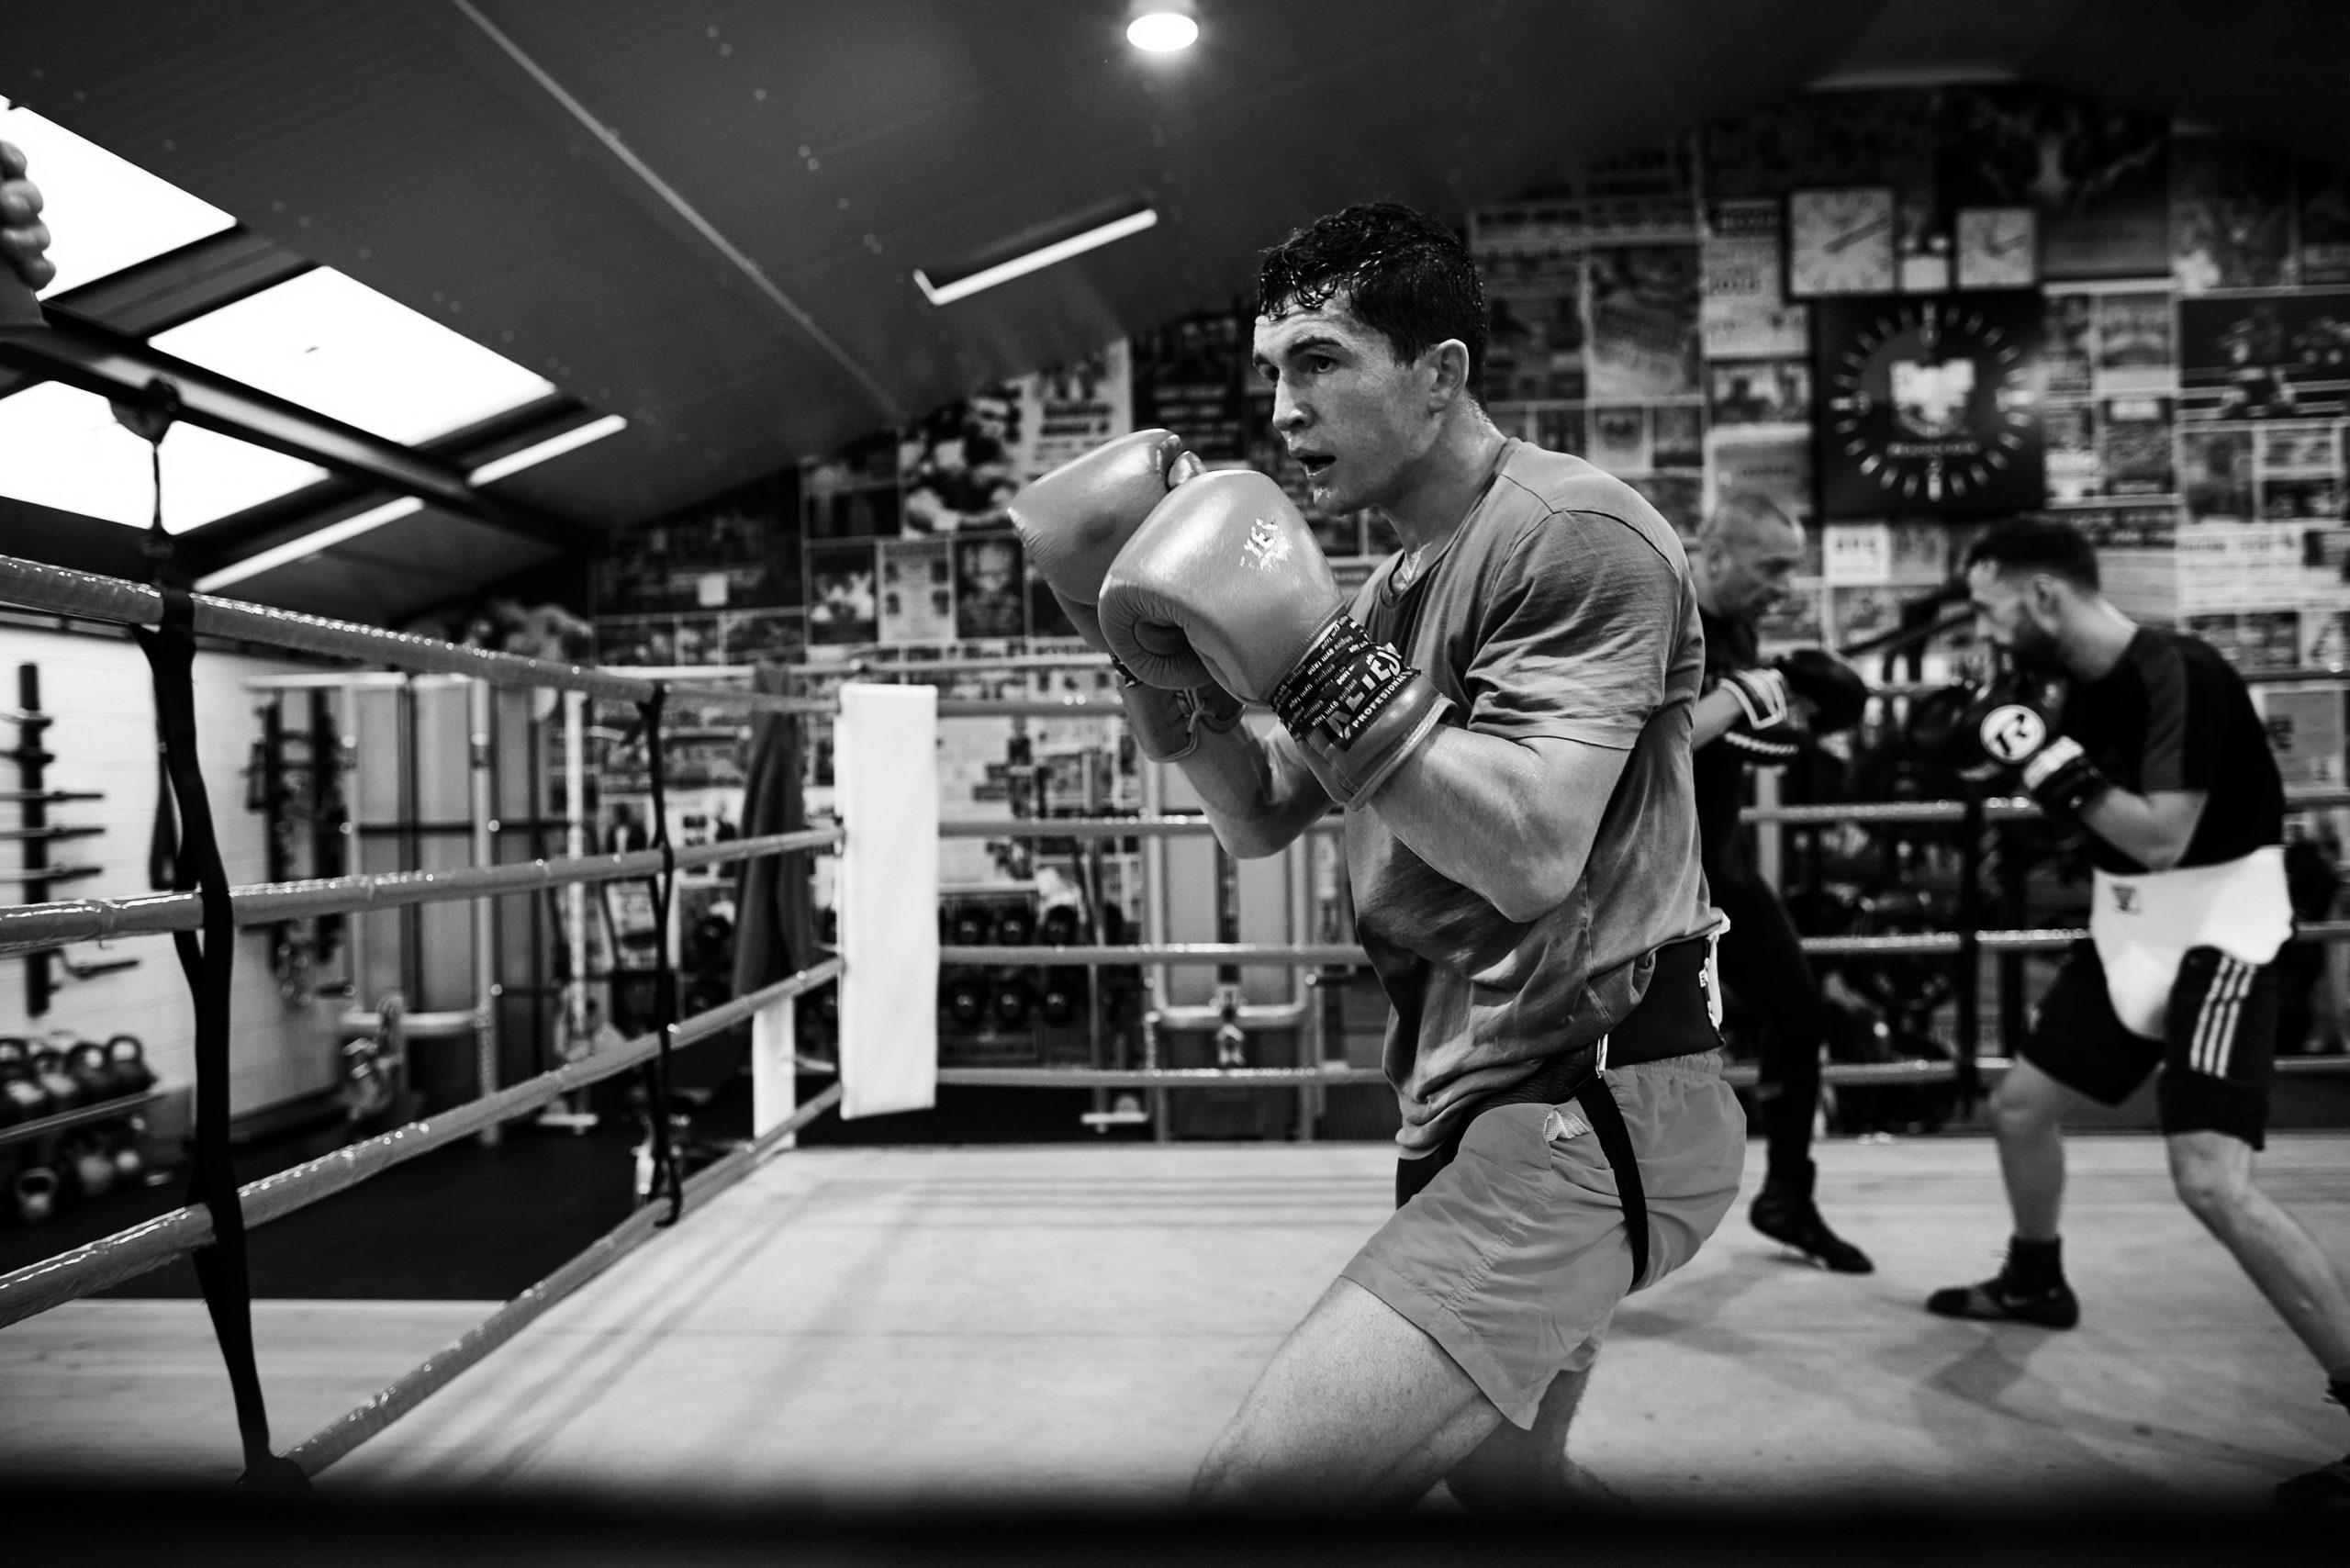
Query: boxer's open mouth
x=1315 y=464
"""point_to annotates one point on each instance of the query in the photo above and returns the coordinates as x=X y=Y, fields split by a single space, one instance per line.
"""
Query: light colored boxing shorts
x=1514 y=1257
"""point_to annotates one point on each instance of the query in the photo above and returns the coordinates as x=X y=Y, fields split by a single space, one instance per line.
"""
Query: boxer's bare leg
x=1357 y=1409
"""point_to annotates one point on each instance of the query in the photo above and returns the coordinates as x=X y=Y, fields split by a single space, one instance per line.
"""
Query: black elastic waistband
x=1673 y=1018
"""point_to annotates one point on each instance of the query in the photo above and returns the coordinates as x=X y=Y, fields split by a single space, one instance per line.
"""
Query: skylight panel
x=66 y=451
x=105 y=213
x=339 y=348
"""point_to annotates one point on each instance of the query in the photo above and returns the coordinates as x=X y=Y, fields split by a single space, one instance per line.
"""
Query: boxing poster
x=2099 y=174
x=764 y=636
x=2135 y=351
x=2300 y=473
x=1561 y=428
x=737 y=552
x=1745 y=313
x=2232 y=215
x=1640 y=315
x=2134 y=446
x=1863 y=138
x=1759 y=391
x=2068 y=342
x=1775 y=465
x=1069 y=410
x=852 y=494
x=955 y=469
x=2215 y=475
x=1188 y=377
x=841 y=606
x=991 y=599
x=2072 y=453
x=2275 y=356
x=1534 y=347
x=1620 y=439
x=1679 y=498
x=1676 y=436
x=1649 y=193
x=2323 y=226
x=917 y=591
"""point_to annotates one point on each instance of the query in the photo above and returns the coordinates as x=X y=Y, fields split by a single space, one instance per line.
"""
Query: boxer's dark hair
x=1405 y=276
x=2037 y=544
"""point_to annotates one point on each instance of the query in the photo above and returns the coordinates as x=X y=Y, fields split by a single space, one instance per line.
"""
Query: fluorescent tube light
x=554 y=446
x=1162 y=30
x=1058 y=251
x=293 y=550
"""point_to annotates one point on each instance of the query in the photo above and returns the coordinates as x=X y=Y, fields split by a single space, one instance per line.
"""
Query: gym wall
x=104 y=741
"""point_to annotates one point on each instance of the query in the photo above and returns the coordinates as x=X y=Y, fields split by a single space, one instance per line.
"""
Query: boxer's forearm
x=1712 y=717
x=2154 y=830
x=1259 y=792
x=1513 y=820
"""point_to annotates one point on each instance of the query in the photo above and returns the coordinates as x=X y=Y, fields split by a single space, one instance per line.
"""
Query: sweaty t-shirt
x=1718 y=770
x=2172 y=714
x=1561 y=607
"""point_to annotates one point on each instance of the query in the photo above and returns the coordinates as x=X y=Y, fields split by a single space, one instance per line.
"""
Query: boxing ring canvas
x=1075 y=1323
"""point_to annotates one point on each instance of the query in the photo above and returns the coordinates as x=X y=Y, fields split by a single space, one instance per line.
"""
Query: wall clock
x=1841 y=241
x=1927 y=406
x=1998 y=247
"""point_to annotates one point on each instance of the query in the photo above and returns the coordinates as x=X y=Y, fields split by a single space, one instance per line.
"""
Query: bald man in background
x=1756 y=713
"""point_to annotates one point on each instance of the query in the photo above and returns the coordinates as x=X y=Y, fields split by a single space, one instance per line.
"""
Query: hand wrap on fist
x=2014 y=722
x=1226 y=583
x=1768 y=729
x=1073 y=522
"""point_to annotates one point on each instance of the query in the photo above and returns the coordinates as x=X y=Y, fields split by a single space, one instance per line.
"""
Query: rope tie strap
x=207 y=962
x=668 y=1169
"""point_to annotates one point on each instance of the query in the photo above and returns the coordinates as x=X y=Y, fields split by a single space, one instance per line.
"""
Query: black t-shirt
x=1718 y=771
x=2172 y=714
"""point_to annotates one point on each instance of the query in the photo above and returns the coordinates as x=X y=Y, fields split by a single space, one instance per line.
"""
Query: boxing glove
x=1225 y=583
x=1073 y=522
x=2015 y=724
x=1769 y=728
x=1833 y=690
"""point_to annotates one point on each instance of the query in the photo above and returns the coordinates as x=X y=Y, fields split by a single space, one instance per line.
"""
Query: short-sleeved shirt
x=2172 y=714
x=1561 y=607
x=1718 y=771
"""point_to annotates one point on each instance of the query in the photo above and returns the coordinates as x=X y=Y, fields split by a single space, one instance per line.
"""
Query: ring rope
x=345 y=1433
x=126 y=1254
x=26 y=926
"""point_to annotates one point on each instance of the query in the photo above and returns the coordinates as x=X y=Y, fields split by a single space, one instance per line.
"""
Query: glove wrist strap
x=1342 y=686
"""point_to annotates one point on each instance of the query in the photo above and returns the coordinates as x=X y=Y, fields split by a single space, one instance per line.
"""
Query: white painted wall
x=103 y=739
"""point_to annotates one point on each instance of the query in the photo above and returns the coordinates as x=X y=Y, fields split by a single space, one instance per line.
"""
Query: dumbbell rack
x=34 y=829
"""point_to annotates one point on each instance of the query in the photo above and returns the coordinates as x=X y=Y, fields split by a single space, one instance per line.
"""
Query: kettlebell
x=92 y=1072
x=1014 y=1000
x=964 y=993
x=1064 y=995
x=49 y=1069
x=129 y=1164
x=33 y=1193
x=969 y=926
x=1059 y=927
x=128 y=1055
x=1015 y=927
x=22 y=1094
x=92 y=1165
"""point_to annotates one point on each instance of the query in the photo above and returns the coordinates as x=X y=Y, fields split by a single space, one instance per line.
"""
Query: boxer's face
x=2012 y=613
x=1750 y=568
x=1354 y=418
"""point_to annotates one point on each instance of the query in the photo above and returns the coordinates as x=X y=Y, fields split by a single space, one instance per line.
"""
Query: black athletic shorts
x=2221 y=1044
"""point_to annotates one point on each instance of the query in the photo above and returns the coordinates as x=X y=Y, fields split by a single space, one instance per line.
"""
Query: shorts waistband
x=1673 y=1019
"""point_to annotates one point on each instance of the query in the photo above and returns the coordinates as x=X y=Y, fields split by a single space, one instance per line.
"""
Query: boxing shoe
x=2329 y=1484
x=2003 y=1299
x=1784 y=1212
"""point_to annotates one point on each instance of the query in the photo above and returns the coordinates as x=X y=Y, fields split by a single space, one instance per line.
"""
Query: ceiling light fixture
x=554 y=446
x=309 y=545
x=1162 y=26
x=953 y=284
